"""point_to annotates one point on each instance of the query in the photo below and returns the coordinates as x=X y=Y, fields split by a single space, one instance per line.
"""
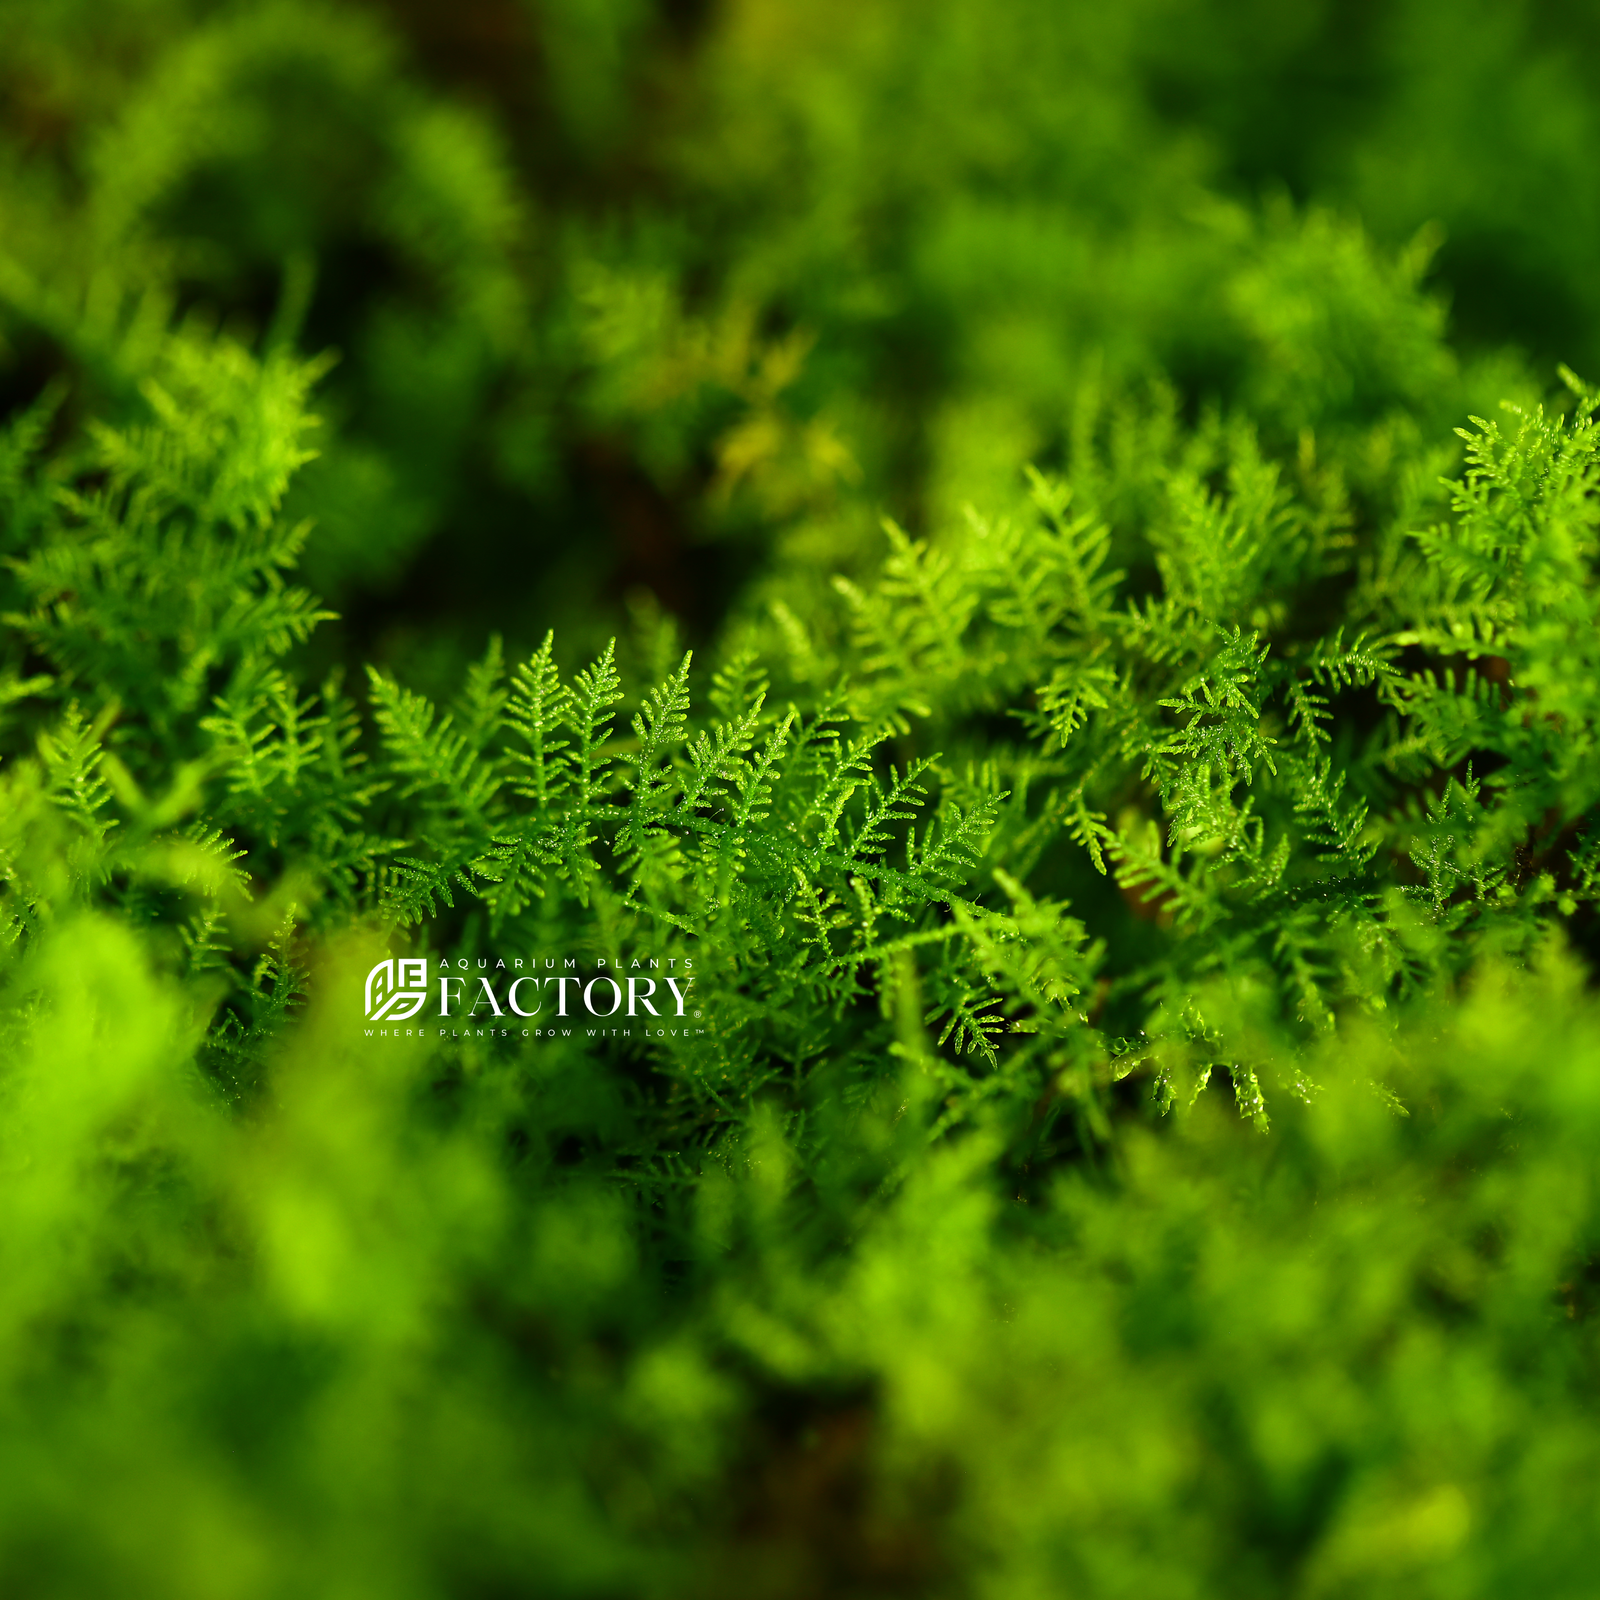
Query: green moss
x=1107 y=728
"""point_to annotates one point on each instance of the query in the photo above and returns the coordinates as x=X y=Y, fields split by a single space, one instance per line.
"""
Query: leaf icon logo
x=397 y=990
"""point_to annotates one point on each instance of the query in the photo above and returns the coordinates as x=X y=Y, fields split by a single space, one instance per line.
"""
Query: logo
x=397 y=989
x=651 y=996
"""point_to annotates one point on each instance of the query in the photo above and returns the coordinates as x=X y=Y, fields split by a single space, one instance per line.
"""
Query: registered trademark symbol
x=699 y=1013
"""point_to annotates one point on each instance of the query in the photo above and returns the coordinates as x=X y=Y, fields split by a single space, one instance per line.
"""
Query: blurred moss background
x=648 y=303
x=644 y=309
